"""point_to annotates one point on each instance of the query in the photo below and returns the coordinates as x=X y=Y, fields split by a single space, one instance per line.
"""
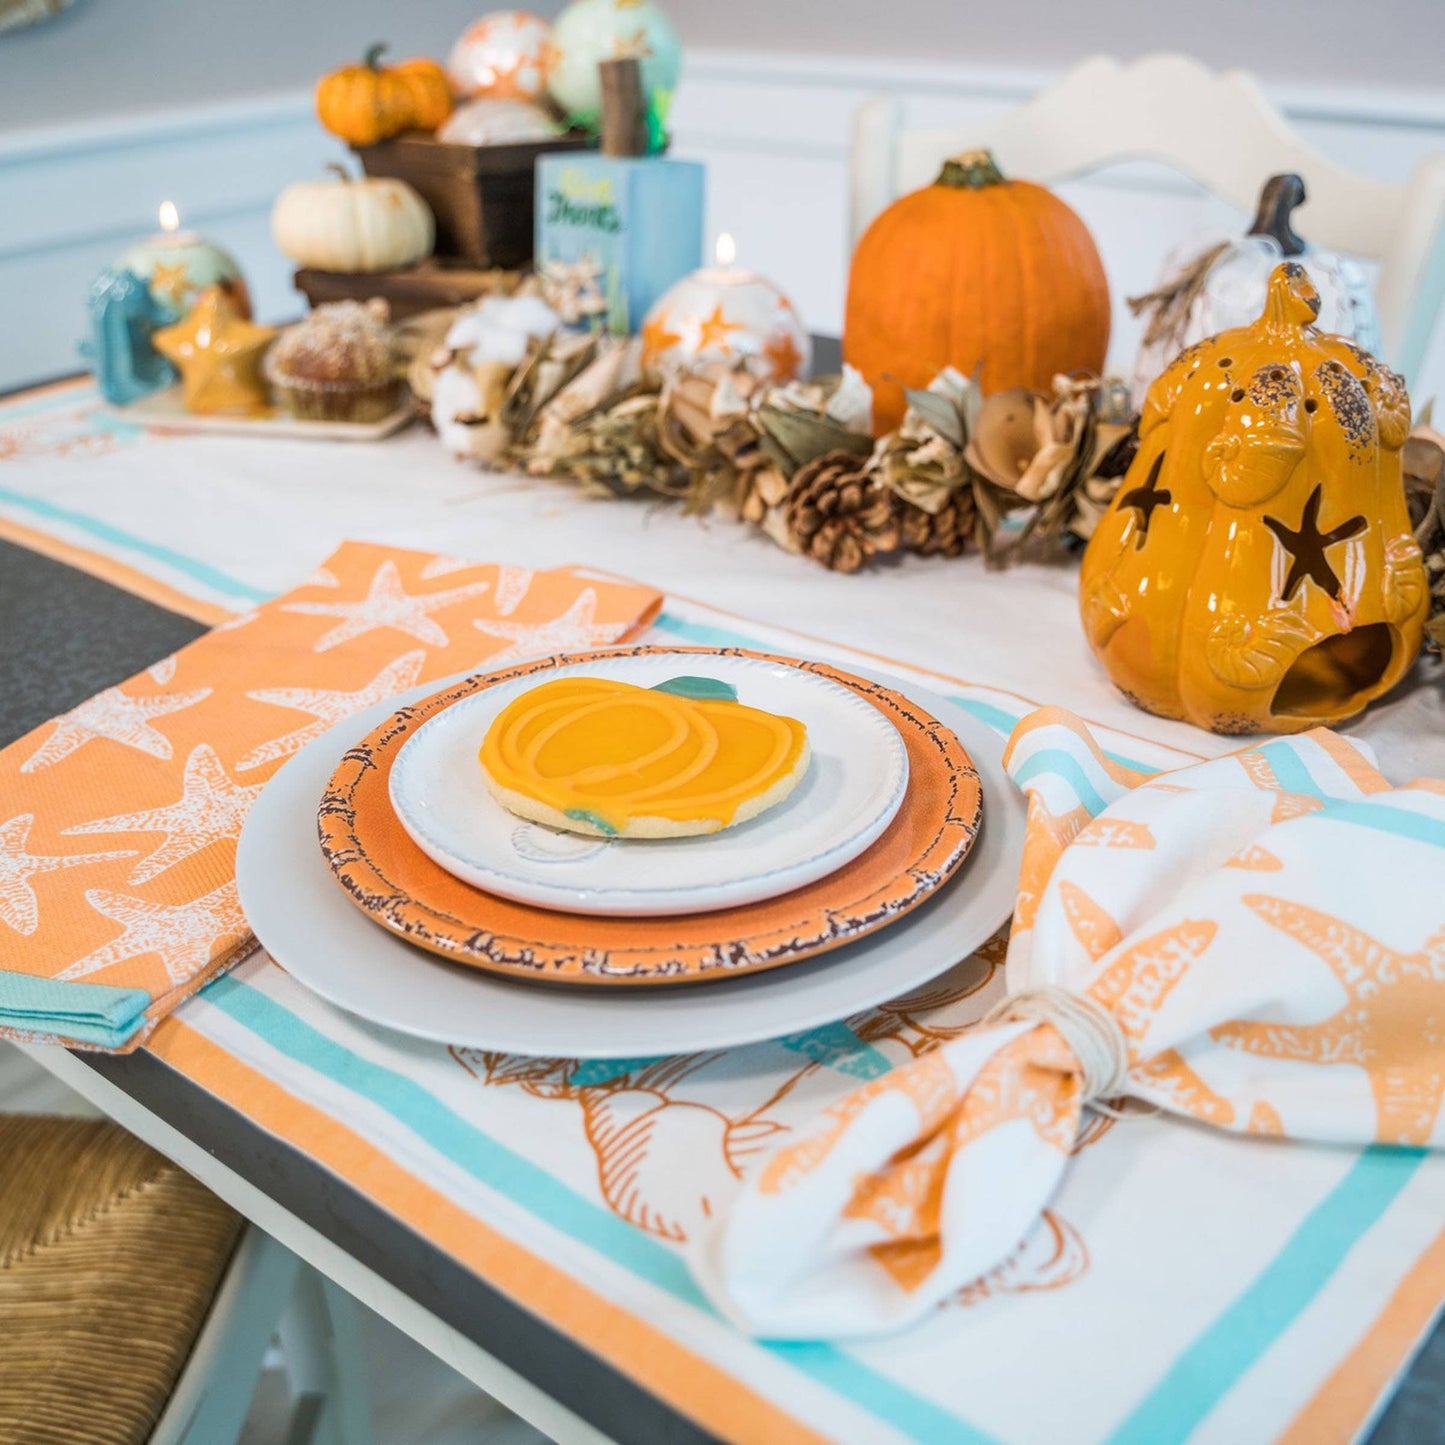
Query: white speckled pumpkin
x=1223 y=287
x=347 y=225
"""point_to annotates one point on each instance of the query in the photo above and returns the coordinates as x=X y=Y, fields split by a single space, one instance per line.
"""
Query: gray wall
x=112 y=56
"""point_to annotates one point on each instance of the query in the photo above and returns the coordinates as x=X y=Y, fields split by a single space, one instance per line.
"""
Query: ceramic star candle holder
x=218 y=353
x=178 y=265
x=723 y=313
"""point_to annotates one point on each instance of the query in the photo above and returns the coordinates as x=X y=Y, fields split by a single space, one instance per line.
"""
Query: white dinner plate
x=325 y=942
x=852 y=790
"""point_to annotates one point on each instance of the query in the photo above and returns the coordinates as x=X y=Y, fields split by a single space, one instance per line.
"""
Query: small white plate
x=852 y=790
x=314 y=931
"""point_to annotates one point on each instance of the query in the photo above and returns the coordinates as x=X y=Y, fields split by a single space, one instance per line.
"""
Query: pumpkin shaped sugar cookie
x=610 y=759
x=1256 y=570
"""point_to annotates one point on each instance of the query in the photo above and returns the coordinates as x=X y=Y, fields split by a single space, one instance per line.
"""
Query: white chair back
x=1219 y=130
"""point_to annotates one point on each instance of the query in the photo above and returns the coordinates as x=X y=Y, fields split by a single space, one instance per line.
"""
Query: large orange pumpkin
x=370 y=102
x=974 y=271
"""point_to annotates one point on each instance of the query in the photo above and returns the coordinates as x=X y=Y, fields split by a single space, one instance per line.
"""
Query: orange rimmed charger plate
x=396 y=885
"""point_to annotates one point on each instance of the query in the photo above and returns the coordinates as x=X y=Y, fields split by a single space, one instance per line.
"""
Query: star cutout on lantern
x=211 y=809
x=714 y=330
x=1146 y=498
x=1392 y=1024
x=218 y=354
x=185 y=937
x=115 y=715
x=19 y=908
x=1306 y=547
x=783 y=354
x=656 y=338
x=387 y=604
x=327 y=707
x=172 y=280
x=575 y=629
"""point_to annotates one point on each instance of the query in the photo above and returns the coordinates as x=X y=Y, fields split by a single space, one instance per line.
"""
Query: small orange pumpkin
x=1256 y=571
x=431 y=92
x=370 y=102
x=974 y=271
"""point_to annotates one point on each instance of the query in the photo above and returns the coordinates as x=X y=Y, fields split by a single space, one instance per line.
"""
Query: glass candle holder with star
x=725 y=313
x=178 y=265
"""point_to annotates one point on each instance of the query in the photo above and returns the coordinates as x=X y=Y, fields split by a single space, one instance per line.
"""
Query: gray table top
x=65 y=635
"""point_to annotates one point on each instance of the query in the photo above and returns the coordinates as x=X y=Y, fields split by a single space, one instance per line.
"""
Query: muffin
x=336 y=365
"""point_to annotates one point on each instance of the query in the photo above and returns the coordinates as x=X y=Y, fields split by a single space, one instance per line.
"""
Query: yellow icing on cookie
x=608 y=755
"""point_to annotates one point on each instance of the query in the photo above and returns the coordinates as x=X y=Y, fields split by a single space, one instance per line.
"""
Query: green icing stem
x=582 y=815
x=699 y=689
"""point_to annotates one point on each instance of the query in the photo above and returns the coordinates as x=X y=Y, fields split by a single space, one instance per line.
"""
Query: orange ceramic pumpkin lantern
x=979 y=273
x=1256 y=571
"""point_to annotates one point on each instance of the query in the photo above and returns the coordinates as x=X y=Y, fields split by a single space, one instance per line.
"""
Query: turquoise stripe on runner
x=590 y=1223
x=1068 y=767
x=988 y=713
x=1220 y=1357
x=192 y=567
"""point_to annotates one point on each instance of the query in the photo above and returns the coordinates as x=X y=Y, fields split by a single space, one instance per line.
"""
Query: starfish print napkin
x=119 y=820
x=1256 y=943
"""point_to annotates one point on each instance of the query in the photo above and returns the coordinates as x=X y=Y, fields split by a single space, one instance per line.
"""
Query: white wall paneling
x=772 y=129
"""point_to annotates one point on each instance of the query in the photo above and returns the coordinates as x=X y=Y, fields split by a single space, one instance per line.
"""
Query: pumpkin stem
x=372 y=59
x=342 y=174
x=970 y=170
x=1278 y=198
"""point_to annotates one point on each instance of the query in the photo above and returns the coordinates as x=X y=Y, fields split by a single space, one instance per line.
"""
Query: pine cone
x=839 y=514
x=944 y=533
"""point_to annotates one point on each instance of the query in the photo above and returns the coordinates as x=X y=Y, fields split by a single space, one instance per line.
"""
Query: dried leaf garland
x=796 y=460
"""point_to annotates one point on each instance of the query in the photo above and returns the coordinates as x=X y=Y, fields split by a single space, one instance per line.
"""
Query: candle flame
x=170 y=217
x=727 y=249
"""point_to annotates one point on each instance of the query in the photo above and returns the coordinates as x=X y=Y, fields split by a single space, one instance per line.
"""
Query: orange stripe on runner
x=1352 y=762
x=118 y=574
x=1340 y=1407
x=716 y=1400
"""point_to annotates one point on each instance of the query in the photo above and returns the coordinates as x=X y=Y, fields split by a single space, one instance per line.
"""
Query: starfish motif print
x=1256 y=859
x=211 y=808
x=714 y=330
x=163 y=671
x=513 y=584
x=1107 y=832
x=241 y=619
x=115 y=715
x=1392 y=1024
x=19 y=908
x=783 y=355
x=576 y=629
x=443 y=567
x=388 y=604
x=327 y=707
x=1306 y=547
x=1145 y=499
x=656 y=338
x=1047 y=836
x=171 y=280
x=185 y=937
x=1133 y=988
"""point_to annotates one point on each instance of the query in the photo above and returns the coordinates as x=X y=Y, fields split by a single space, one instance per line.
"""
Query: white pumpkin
x=489 y=122
x=350 y=225
x=1231 y=290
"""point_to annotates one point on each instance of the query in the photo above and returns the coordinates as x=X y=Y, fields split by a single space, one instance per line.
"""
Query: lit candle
x=724 y=313
x=177 y=265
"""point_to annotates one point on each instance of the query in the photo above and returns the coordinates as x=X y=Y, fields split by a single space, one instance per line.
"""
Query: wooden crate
x=483 y=197
x=411 y=291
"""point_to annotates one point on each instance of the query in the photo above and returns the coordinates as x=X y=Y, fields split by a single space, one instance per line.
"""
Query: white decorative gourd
x=1224 y=286
x=352 y=225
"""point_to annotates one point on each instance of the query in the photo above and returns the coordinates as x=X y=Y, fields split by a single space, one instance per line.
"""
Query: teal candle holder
x=123 y=314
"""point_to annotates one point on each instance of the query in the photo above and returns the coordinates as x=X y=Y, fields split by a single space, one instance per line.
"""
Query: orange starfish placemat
x=119 y=819
x=1255 y=943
